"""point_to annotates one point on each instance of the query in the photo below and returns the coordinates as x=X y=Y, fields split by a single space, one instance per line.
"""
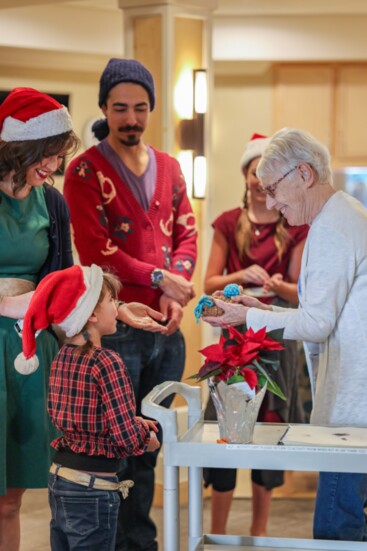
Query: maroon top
x=263 y=249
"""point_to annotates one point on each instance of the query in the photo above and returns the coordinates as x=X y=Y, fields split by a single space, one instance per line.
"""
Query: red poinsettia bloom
x=240 y=357
x=260 y=337
x=249 y=375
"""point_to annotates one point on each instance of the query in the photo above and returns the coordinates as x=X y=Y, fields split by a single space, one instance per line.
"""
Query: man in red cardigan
x=130 y=213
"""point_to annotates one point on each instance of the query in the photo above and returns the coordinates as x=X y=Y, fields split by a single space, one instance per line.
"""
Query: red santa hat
x=255 y=148
x=66 y=298
x=27 y=114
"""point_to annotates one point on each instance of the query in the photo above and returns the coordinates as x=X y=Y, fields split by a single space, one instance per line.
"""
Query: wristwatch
x=156 y=276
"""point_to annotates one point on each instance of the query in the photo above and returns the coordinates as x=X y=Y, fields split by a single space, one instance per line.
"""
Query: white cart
x=197 y=448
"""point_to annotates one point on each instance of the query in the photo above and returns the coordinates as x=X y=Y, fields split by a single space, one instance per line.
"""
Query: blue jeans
x=150 y=359
x=82 y=519
x=340 y=502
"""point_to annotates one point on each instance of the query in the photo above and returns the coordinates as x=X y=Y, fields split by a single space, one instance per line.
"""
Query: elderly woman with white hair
x=332 y=316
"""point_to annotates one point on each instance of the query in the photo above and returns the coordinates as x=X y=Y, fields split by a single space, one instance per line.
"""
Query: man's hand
x=177 y=287
x=172 y=311
x=141 y=316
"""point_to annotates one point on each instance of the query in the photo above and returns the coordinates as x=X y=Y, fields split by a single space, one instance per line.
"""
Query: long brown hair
x=19 y=156
x=244 y=231
x=111 y=284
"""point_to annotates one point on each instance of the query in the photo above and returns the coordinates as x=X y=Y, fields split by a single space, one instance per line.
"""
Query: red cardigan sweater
x=112 y=230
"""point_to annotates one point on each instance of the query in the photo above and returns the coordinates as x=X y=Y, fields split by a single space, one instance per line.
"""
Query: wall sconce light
x=191 y=139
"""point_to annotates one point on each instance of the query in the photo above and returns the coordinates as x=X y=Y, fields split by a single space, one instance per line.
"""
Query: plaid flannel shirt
x=91 y=401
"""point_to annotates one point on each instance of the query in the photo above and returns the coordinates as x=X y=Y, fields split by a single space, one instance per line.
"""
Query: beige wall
x=242 y=105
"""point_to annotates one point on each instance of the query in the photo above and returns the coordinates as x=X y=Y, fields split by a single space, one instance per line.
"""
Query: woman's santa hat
x=66 y=298
x=255 y=148
x=27 y=114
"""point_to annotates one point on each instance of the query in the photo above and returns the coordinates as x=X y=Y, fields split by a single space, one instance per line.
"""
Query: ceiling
x=228 y=8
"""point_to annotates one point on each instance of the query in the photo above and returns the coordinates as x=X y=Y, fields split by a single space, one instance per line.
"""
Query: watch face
x=157 y=277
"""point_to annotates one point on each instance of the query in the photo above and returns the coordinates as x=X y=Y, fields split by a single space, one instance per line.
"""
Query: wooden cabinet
x=328 y=100
x=304 y=99
x=351 y=113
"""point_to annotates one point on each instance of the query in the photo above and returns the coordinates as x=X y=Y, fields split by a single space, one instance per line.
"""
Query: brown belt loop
x=91 y=481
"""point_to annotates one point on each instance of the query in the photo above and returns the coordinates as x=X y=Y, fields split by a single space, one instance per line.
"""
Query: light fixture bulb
x=200 y=91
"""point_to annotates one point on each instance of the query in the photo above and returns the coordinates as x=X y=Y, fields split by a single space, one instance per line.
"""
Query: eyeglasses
x=271 y=190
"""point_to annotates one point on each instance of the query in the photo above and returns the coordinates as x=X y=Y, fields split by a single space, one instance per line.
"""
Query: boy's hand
x=149 y=424
x=154 y=443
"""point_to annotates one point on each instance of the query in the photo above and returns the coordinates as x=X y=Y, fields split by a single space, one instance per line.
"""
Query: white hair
x=289 y=147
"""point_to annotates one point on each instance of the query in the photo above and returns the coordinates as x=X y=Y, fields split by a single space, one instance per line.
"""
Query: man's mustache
x=135 y=128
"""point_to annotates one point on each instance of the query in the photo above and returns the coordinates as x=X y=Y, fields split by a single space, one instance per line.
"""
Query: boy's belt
x=91 y=481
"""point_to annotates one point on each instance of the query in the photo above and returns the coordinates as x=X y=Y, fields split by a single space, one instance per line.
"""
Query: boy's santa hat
x=66 y=298
x=27 y=114
x=255 y=148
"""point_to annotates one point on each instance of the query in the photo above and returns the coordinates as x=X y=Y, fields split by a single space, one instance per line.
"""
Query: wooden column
x=171 y=37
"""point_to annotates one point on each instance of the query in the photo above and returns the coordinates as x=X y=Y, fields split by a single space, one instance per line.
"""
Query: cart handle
x=168 y=417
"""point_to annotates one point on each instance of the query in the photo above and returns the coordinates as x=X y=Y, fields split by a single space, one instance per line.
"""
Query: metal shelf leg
x=195 y=507
x=171 y=509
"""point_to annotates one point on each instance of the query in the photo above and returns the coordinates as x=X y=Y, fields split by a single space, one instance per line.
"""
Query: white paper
x=313 y=435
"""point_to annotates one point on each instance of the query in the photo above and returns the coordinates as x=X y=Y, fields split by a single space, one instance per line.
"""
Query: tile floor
x=289 y=517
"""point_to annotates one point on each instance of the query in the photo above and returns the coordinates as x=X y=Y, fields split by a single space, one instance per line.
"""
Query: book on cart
x=331 y=437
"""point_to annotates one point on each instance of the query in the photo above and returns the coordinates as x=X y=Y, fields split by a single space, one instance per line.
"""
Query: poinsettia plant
x=242 y=357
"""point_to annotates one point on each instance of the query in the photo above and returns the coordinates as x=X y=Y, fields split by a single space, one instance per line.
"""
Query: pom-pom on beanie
x=66 y=298
x=27 y=114
x=255 y=148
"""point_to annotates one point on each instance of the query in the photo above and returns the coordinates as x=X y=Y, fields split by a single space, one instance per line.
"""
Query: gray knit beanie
x=125 y=70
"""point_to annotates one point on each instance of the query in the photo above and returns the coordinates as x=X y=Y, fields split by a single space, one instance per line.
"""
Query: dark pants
x=340 y=503
x=150 y=359
x=82 y=519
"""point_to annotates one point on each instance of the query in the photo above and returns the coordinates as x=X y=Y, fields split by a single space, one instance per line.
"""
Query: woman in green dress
x=35 y=136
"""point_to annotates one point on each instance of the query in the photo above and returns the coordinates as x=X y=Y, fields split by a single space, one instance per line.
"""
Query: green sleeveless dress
x=25 y=428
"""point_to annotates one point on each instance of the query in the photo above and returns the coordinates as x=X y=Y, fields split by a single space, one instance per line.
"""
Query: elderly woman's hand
x=234 y=314
x=250 y=302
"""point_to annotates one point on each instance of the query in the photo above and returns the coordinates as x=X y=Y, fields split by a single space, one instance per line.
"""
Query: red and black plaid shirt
x=91 y=401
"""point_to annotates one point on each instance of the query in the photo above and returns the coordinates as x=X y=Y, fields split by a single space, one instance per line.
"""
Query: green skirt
x=25 y=428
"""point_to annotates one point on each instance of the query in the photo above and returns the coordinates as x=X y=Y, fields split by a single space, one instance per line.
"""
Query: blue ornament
x=231 y=290
x=205 y=300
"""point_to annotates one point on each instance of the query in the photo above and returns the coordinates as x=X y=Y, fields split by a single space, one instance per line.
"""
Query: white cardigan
x=332 y=313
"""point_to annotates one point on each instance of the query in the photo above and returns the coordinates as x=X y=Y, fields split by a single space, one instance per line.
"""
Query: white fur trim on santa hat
x=255 y=148
x=45 y=125
x=75 y=321
x=26 y=366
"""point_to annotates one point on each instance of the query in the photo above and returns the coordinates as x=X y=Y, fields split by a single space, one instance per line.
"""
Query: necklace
x=257 y=228
x=257 y=231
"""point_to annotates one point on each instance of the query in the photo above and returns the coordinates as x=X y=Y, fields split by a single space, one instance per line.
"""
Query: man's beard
x=131 y=139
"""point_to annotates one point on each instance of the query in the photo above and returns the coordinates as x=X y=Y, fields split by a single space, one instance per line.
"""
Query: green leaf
x=276 y=334
x=275 y=389
x=275 y=364
x=272 y=386
x=235 y=379
x=211 y=374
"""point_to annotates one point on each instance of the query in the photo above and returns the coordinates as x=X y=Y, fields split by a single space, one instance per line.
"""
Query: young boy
x=91 y=402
